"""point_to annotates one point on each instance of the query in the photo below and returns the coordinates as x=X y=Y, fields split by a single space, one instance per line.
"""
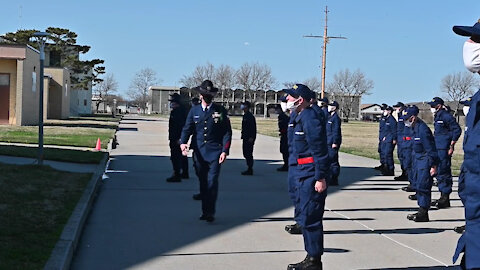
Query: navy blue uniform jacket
x=309 y=140
x=446 y=129
x=249 y=126
x=334 y=132
x=390 y=129
x=176 y=123
x=212 y=129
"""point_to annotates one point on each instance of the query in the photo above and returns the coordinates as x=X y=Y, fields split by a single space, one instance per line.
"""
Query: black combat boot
x=249 y=171
x=413 y=197
x=379 y=167
x=402 y=177
x=420 y=216
x=185 y=175
x=388 y=172
x=294 y=229
x=174 y=178
x=459 y=229
x=197 y=197
x=408 y=188
x=309 y=263
x=443 y=202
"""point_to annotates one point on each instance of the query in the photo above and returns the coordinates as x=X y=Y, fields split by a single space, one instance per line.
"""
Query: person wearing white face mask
x=389 y=141
x=469 y=179
x=309 y=166
x=447 y=132
x=424 y=162
x=334 y=139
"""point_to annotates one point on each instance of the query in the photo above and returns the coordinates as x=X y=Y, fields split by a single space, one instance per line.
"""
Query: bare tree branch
x=139 y=87
x=104 y=89
x=458 y=86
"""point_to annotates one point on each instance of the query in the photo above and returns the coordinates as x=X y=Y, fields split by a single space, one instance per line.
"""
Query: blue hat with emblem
x=467 y=31
x=325 y=99
x=435 y=101
x=300 y=90
x=410 y=111
x=334 y=103
x=467 y=102
x=384 y=106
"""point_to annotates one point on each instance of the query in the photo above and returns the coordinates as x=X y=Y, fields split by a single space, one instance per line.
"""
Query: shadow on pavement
x=419 y=268
x=138 y=216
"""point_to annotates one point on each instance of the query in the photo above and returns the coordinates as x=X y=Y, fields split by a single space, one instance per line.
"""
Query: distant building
x=19 y=84
x=347 y=102
x=371 y=112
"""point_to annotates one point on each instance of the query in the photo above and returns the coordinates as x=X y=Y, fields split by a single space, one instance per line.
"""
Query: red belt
x=306 y=160
x=407 y=138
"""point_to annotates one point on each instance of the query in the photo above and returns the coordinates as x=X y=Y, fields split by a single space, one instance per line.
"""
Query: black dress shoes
x=283 y=169
x=197 y=197
x=207 y=218
x=309 y=263
x=408 y=189
x=294 y=229
x=248 y=172
x=420 y=216
x=459 y=229
x=185 y=176
x=174 y=179
x=413 y=197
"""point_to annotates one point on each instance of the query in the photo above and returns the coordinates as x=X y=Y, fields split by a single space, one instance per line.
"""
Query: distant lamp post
x=41 y=38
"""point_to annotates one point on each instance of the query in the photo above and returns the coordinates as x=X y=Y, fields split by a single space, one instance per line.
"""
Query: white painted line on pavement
x=388 y=237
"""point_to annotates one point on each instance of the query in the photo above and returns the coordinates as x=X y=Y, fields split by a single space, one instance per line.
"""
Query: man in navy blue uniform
x=399 y=108
x=425 y=161
x=283 y=120
x=324 y=105
x=178 y=115
x=447 y=131
x=381 y=130
x=389 y=141
x=195 y=101
x=469 y=180
x=309 y=168
x=249 y=134
x=407 y=145
x=334 y=140
x=213 y=135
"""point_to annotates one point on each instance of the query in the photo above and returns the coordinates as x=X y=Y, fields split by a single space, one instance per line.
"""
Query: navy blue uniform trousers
x=208 y=173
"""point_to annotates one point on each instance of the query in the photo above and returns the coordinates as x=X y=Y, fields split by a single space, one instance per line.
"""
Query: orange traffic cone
x=99 y=145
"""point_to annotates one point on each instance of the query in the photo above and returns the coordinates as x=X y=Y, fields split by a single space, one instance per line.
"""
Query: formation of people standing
x=310 y=138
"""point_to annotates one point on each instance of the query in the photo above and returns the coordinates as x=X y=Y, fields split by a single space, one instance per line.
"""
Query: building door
x=4 y=98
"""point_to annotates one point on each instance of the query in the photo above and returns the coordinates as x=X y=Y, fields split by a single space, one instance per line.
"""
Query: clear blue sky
x=405 y=47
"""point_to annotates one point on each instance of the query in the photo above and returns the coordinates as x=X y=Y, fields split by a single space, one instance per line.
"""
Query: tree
x=104 y=90
x=313 y=83
x=63 y=43
x=140 y=85
x=459 y=86
x=243 y=78
x=225 y=81
x=347 y=87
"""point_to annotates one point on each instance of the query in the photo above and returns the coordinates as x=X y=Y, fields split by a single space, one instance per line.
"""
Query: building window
x=4 y=79
x=84 y=102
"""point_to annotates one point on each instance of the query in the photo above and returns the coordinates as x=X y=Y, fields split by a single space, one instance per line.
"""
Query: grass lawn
x=358 y=138
x=67 y=155
x=35 y=204
x=79 y=131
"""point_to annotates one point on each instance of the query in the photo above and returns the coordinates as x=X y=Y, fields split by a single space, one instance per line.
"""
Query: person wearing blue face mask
x=249 y=134
x=469 y=179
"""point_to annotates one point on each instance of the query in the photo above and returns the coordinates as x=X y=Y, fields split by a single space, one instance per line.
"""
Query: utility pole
x=326 y=39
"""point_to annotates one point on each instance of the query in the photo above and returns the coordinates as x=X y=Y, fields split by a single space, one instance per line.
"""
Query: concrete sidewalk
x=142 y=222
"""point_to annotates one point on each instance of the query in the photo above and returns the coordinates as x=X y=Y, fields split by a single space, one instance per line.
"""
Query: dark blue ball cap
x=399 y=105
x=412 y=110
x=300 y=90
x=334 y=103
x=325 y=99
x=435 y=101
x=383 y=107
x=467 y=102
x=283 y=98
